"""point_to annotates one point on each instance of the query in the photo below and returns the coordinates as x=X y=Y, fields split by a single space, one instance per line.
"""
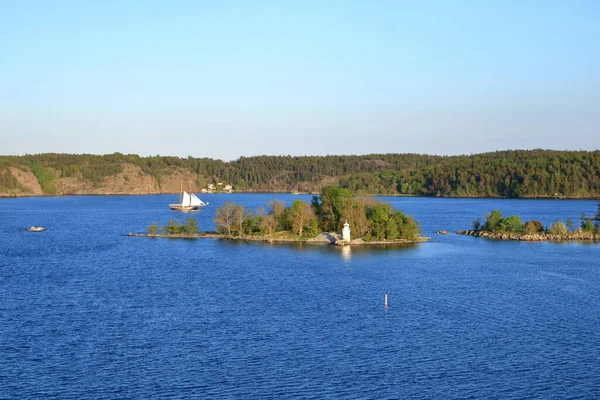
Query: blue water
x=88 y=313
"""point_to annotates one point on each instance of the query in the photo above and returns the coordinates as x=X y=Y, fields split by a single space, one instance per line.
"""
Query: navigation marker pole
x=385 y=301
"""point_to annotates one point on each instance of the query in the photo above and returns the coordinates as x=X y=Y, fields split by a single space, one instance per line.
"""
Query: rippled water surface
x=88 y=313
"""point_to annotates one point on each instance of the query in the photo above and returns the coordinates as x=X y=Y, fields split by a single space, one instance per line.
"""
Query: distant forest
x=518 y=173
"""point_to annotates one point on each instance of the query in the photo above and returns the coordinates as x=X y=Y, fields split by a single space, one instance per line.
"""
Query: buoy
x=385 y=301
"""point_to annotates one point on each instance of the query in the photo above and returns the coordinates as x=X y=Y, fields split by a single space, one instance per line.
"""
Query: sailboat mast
x=181 y=192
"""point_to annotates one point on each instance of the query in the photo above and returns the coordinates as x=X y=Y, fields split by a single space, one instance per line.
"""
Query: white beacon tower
x=346 y=232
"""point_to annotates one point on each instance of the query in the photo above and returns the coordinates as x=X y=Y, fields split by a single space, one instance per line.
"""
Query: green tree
x=558 y=228
x=493 y=221
x=153 y=228
x=587 y=225
x=570 y=224
x=190 y=227
x=379 y=215
x=251 y=224
x=512 y=224
x=476 y=224
x=173 y=227
x=408 y=228
x=312 y=227
x=328 y=207
x=391 y=230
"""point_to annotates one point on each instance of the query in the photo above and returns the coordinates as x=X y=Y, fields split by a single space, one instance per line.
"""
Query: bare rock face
x=172 y=183
x=326 y=237
x=132 y=180
x=28 y=181
x=72 y=186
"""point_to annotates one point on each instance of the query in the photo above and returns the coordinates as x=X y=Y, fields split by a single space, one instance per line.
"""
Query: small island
x=497 y=227
x=335 y=210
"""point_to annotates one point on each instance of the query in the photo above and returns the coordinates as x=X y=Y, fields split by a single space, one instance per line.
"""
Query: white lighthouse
x=346 y=232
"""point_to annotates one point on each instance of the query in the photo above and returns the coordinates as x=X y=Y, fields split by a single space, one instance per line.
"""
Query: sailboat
x=188 y=202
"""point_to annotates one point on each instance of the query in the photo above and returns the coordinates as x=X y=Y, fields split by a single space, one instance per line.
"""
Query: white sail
x=195 y=201
x=186 y=199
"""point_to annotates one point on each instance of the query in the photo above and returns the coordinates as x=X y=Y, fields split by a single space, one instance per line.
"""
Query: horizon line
x=305 y=155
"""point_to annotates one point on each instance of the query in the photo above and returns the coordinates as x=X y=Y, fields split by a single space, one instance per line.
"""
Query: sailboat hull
x=179 y=207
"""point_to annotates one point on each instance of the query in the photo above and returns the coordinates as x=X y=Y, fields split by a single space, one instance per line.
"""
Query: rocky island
x=512 y=228
x=371 y=222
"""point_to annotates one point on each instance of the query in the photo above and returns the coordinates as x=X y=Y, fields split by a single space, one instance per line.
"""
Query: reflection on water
x=347 y=253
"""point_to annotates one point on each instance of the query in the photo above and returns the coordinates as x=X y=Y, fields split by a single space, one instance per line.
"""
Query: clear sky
x=229 y=78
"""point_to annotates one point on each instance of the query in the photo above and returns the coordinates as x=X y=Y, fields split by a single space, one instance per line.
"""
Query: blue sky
x=231 y=78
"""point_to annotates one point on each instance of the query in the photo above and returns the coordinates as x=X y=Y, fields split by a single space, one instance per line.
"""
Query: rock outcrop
x=534 y=237
x=132 y=180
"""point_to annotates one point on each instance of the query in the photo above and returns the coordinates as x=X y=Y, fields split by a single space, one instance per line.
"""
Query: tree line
x=518 y=173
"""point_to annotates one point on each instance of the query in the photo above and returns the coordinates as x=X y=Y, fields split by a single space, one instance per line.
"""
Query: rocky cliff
x=132 y=180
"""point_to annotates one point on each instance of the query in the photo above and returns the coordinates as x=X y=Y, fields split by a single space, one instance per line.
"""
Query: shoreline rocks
x=324 y=238
x=534 y=237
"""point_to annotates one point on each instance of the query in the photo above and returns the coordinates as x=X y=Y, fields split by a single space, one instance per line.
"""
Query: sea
x=87 y=313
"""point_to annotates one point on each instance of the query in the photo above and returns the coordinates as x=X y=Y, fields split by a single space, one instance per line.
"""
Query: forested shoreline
x=512 y=174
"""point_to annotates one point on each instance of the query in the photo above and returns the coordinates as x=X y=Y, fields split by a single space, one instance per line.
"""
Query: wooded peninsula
x=514 y=174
